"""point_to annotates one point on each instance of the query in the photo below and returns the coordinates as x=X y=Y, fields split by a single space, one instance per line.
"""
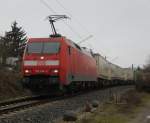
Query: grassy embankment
x=124 y=111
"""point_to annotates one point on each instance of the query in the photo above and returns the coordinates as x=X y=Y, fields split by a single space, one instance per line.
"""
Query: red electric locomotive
x=57 y=61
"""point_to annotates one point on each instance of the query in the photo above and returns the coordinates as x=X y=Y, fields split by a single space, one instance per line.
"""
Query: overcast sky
x=120 y=28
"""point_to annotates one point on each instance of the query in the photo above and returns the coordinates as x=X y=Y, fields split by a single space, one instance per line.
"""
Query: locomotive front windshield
x=43 y=47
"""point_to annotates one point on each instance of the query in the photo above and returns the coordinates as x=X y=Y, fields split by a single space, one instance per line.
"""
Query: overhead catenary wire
x=77 y=21
x=44 y=3
x=53 y=11
x=73 y=30
x=90 y=36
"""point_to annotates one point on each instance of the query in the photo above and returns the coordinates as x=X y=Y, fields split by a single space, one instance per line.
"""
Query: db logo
x=41 y=63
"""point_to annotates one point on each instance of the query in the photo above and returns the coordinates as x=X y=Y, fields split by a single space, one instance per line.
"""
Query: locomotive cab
x=41 y=61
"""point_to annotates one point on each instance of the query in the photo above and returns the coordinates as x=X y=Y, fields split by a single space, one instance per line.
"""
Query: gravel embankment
x=52 y=111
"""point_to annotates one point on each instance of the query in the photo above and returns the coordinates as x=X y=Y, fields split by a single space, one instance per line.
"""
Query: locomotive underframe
x=40 y=82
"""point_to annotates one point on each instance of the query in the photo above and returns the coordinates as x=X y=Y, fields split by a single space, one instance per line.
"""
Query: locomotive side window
x=43 y=47
x=69 y=50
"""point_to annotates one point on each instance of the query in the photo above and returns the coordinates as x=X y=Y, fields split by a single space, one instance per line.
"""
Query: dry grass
x=10 y=86
x=131 y=100
x=131 y=104
x=108 y=115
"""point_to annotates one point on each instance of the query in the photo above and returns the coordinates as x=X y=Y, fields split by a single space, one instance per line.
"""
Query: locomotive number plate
x=41 y=63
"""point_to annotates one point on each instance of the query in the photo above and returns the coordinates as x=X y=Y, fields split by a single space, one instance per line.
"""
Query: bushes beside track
x=10 y=85
x=143 y=81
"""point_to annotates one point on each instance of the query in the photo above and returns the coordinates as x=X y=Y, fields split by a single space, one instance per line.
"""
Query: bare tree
x=147 y=66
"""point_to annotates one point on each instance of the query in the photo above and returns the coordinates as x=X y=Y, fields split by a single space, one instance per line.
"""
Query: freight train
x=59 y=62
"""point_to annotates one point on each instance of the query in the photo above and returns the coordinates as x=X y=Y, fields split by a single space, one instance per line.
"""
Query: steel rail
x=19 y=104
x=22 y=103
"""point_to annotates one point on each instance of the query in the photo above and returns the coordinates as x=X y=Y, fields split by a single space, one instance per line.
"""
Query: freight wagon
x=111 y=74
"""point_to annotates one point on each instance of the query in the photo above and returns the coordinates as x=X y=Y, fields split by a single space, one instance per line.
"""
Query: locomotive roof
x=73 y=44
x=82 y=49
x=45 y=39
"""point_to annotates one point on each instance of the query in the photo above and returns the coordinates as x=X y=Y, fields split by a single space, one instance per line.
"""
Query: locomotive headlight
x=26 y=71
x=55 y=71
x=42 y=57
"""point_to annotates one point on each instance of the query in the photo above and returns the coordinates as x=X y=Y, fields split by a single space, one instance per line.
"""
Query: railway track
x=19 y=104
x=10 y=106
x=54 y=110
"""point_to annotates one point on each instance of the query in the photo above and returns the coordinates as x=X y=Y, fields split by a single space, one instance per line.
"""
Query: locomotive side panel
x=64 y=65
x=85 y=66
